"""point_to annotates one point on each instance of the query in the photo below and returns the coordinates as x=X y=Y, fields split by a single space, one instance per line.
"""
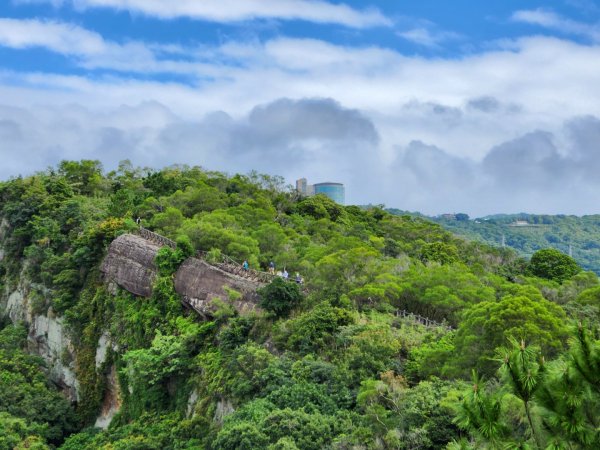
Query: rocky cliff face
x=130 y=264
x=111 y=403
x=47 y=336
x=3 y=229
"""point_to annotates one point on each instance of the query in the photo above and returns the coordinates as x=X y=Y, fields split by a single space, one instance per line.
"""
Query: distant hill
x=527 y=233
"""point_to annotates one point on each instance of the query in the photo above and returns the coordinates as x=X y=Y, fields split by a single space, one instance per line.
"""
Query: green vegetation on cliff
x=32 y=412
x=331 y=365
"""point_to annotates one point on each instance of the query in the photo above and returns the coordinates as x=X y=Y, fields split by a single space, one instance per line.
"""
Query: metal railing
x=156 y=238
x=229 y=265
x=225 y=263
x=426 y=321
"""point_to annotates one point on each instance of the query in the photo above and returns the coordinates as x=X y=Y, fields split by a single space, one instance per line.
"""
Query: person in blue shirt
x=245 y=265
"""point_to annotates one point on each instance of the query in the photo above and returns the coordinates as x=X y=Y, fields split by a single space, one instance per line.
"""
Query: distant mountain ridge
x=527 y=233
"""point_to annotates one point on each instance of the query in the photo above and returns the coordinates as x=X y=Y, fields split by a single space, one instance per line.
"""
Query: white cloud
x=458 y=109
x=56 y=36
x=551 y=20
x=427 y=37
x=545 y=80
x=235 y=10
x=90 y=50
x=533 y=173
x=290 y=137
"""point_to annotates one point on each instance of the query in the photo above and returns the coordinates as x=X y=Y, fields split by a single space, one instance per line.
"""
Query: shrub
x=280 y=297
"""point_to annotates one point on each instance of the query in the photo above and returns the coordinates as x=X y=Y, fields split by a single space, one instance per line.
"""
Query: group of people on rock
x=285 y=275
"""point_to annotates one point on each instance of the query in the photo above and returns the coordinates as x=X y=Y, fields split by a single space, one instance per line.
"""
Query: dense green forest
x=328 y=366
x=582 y=234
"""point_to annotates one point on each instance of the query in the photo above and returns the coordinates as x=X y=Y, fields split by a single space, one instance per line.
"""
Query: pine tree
x=480 y=413
x=522 y=375
x=570 y=397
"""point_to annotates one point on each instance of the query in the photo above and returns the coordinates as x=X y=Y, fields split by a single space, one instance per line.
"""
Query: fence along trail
x=226 y=263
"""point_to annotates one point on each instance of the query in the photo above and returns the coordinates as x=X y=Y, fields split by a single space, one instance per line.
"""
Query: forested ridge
x=578 y=235
x=325 y=365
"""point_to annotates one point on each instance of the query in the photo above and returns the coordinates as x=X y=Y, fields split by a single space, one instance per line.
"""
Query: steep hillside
x=165 y=341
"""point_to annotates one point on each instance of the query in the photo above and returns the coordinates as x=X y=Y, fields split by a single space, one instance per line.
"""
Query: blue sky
x=431 y=28
x=431 y=105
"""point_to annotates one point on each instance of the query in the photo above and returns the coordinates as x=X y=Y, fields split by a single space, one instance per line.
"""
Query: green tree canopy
x=553 y=265
x=489 y=325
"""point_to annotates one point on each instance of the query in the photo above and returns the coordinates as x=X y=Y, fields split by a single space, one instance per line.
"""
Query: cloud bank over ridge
x=317 y=138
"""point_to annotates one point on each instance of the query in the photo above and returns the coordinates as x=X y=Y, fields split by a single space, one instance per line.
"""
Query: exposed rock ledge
x=130 y=264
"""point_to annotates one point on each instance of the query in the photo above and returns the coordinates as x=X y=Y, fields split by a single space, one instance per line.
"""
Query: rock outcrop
x=130 y=264
x=199 y=283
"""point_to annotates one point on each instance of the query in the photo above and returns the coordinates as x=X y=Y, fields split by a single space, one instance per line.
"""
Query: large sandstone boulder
x=130 y=264
x=199 y=283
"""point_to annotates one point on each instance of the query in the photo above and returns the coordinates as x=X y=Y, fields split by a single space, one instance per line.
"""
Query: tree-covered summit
x=329 y=365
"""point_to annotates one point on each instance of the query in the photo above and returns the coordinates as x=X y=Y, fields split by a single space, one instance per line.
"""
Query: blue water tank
x=335 y=191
